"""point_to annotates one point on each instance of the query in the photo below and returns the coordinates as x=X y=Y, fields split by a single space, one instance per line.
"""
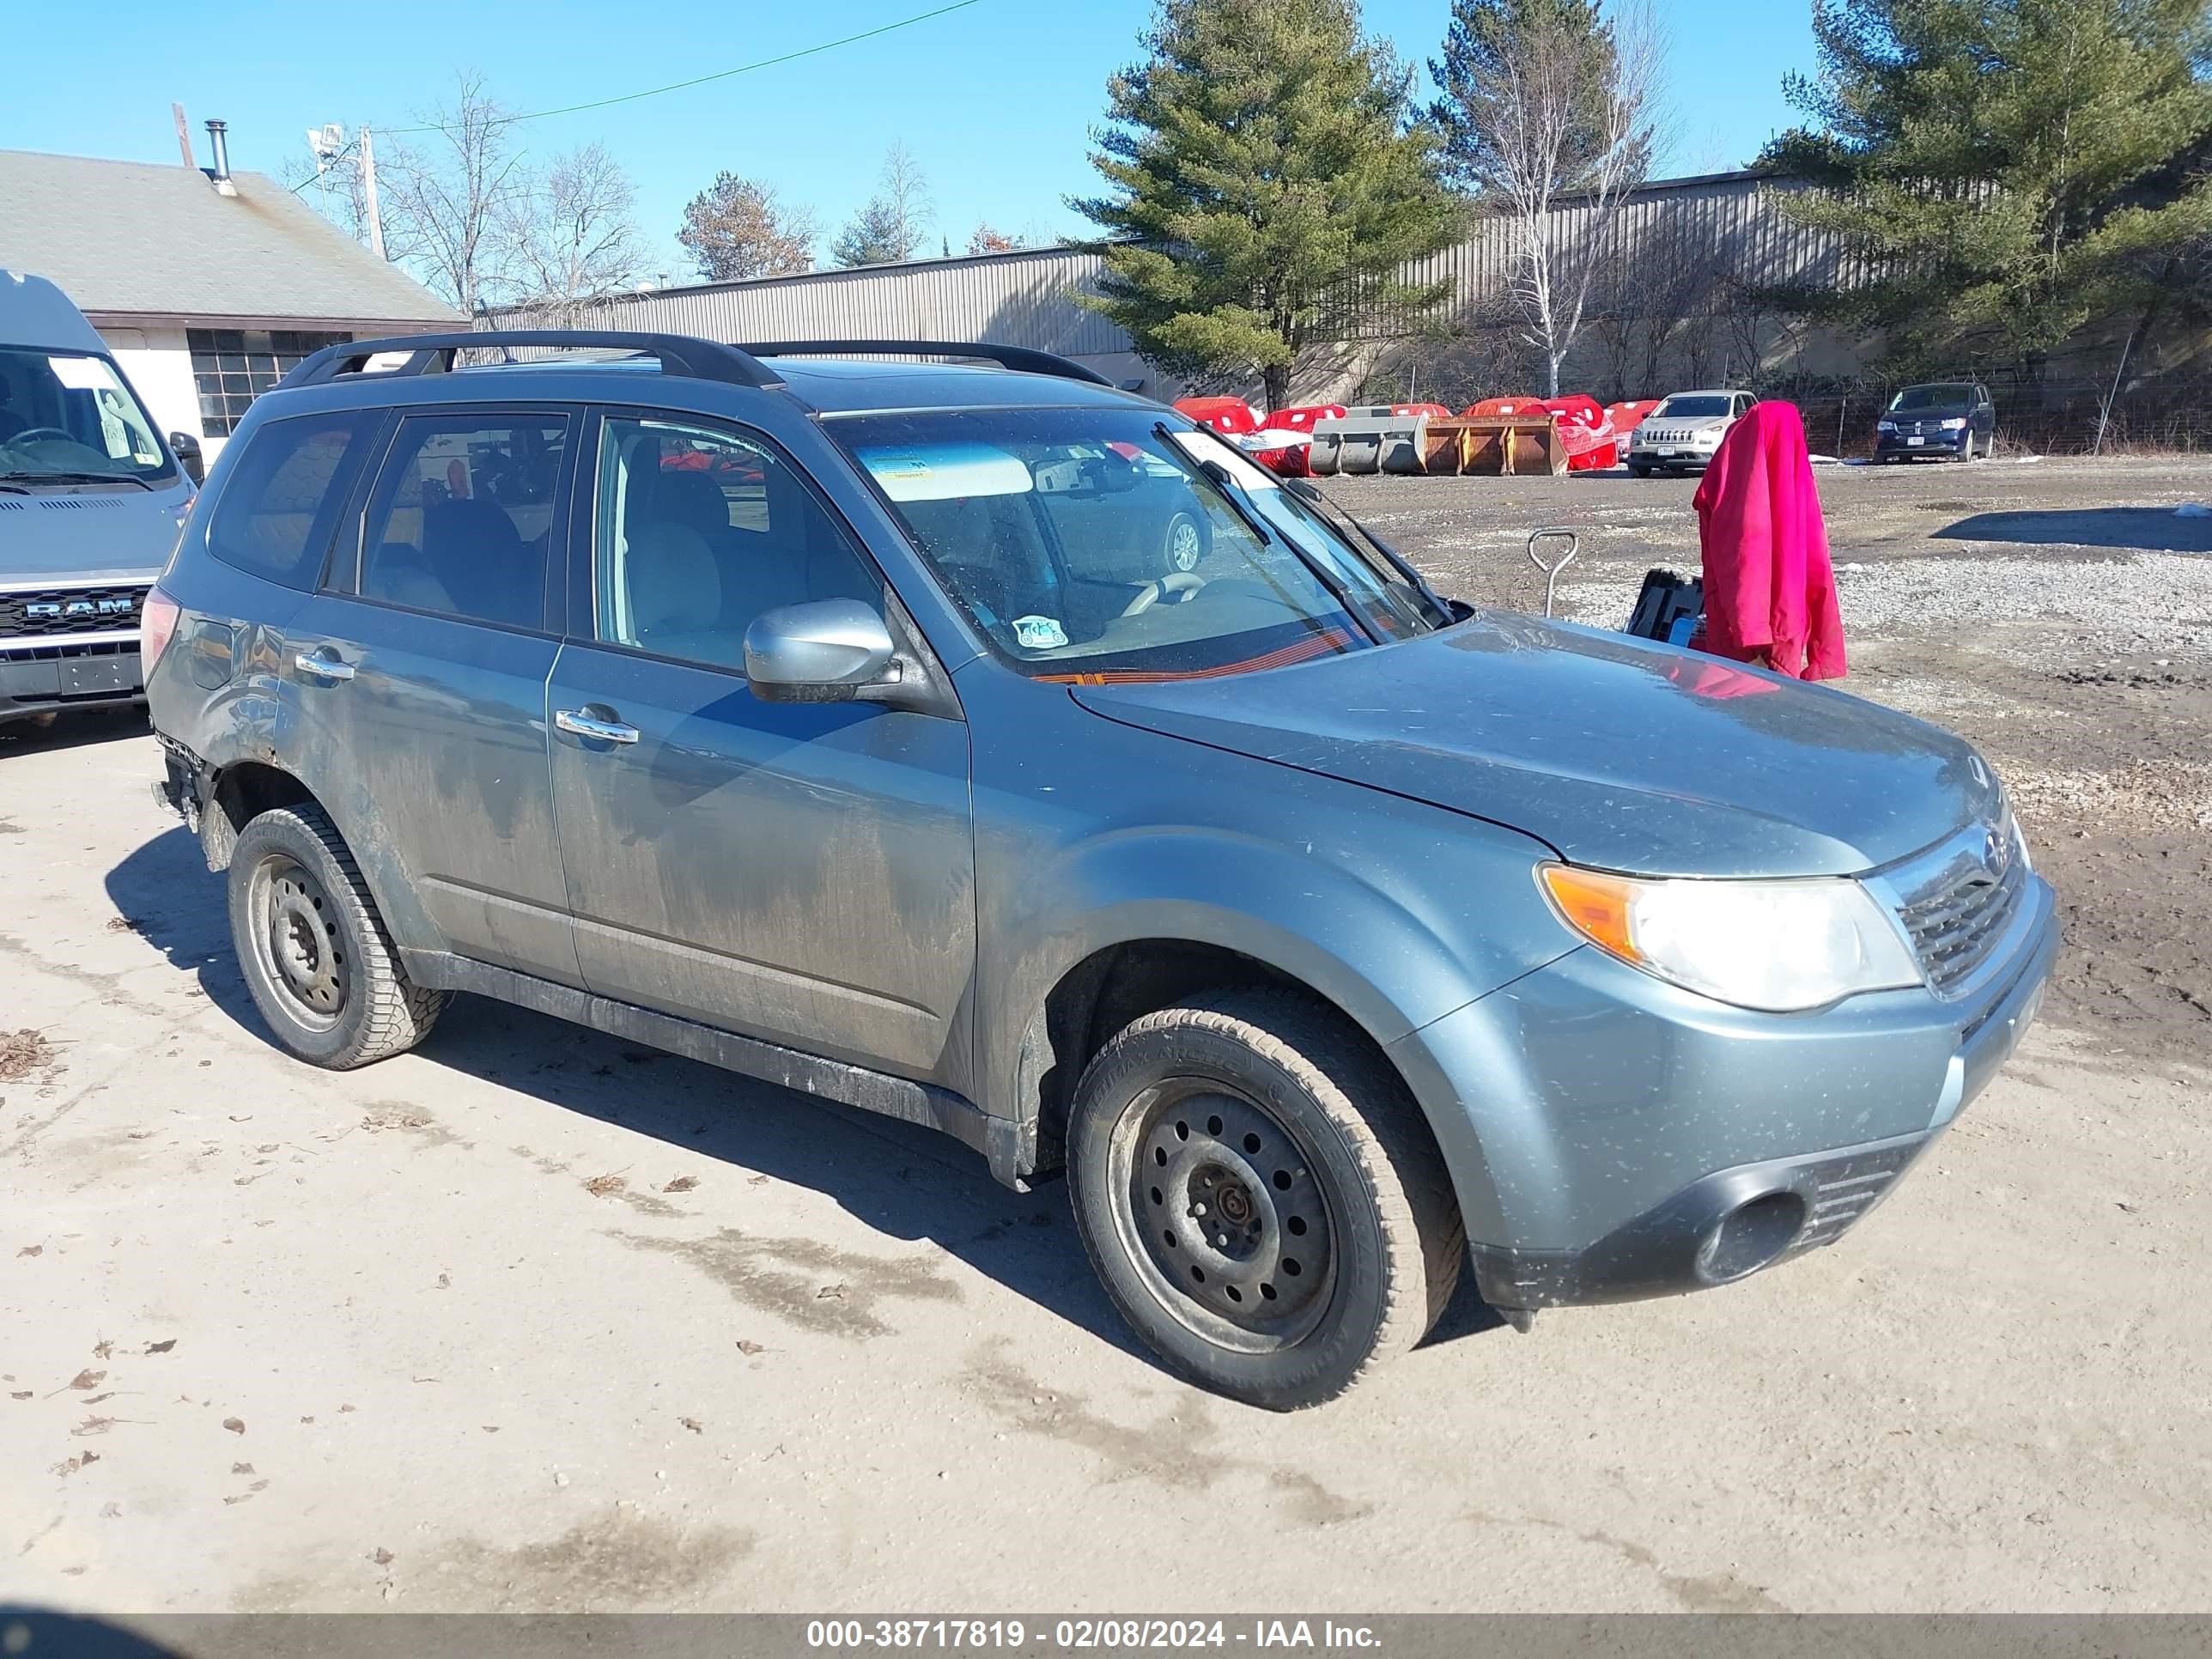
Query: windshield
x=1690 y=409
x=67 y=417
x=1933 y=397
x=1121 y=543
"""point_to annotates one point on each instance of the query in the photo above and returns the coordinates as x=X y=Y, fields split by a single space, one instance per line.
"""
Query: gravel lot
x=532 y=1319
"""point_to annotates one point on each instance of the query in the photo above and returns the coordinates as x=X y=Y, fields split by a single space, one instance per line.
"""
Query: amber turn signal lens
x=1593 y=905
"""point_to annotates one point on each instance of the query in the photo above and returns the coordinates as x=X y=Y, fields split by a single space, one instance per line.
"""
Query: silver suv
x=800 y=711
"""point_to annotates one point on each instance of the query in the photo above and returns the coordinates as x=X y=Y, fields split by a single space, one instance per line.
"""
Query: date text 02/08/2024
x=1076 y=1635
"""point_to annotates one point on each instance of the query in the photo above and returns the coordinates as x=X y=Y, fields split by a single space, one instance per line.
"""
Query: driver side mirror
x=824 y=650
x=186 y=448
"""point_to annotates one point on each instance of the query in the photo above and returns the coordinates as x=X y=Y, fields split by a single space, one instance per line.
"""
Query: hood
x=1622 y=754
x=62 y=536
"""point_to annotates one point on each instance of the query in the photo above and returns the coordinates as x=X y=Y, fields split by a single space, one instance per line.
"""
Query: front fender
x=1394 y=911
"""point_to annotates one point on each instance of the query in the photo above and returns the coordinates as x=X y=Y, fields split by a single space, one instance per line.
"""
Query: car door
x=418 y=674
x=1985 y=415
x=800 y=872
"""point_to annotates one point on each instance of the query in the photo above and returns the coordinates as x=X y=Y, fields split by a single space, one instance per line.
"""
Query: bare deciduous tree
x=569 y=236
x=1565 y=115
x=984 y=239
x=888 y=229
x=737 y=228
x=448 y=197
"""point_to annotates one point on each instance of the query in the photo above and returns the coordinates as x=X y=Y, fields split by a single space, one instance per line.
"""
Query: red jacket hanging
x=1769 y=584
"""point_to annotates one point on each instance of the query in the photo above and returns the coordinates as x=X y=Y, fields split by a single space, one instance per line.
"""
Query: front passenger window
x=699 y=531
x=463 y=516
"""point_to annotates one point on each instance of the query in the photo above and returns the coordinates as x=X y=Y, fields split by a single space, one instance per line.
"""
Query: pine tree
x=735 y=228
x=2012 y=170
x=1265 y=183
x=887 y=230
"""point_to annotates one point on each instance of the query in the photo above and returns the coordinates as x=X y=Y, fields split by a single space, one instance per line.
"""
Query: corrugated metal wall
x=1728 y=224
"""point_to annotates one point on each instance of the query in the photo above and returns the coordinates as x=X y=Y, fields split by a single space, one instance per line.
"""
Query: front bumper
x=1611 y=1137
x=68 y=675
x=1671 y=455
x=1887 y=444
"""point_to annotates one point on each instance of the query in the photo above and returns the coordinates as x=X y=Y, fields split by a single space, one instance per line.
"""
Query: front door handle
x=583 y=724
x=323 y=668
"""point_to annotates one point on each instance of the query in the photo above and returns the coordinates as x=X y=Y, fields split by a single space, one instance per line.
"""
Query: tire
x=334 y=996
x=1182 y=545
x=1639 y=469
x=1234 y=1083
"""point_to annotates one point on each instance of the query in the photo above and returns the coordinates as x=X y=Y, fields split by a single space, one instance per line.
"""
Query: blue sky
x=995 y=100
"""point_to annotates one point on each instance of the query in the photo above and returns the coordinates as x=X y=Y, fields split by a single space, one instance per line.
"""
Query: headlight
x=1775 y=945
x=1885 y=426
x=1953 y=424
x=2020 y=841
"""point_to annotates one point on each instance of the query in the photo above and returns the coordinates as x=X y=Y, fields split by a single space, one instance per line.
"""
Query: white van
x=91 y=501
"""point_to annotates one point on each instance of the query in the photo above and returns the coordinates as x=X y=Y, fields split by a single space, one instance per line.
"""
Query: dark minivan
x=1954 y=419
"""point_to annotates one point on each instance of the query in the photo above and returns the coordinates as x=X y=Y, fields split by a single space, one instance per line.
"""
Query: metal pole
x=368 y=194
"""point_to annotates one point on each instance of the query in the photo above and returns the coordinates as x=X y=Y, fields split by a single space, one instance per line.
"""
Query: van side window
x=463 y=515
x=699 y=531
x=281 y=504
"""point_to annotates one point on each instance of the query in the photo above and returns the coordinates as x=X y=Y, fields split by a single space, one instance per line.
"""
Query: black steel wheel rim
x=296 y=942
x=1225 y=1214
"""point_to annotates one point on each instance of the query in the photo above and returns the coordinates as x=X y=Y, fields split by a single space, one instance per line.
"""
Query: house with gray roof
x=208 y=285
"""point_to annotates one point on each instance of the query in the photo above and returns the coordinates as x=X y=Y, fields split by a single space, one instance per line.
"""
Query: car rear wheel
x=1260 y=1197
x=1184 y=545
x=313 y=949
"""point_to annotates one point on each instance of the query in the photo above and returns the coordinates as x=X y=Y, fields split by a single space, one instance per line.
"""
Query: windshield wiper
x=13 y=478
x=1225 y=487
x=1215 y=474
x=1310 y=492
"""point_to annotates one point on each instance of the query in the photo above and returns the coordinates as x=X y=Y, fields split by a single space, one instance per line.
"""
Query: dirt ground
x=533 y=1319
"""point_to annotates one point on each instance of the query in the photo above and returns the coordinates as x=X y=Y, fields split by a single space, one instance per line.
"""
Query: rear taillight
x=157 y=625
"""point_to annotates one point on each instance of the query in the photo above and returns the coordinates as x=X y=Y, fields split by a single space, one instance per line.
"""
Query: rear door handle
x=321 y=667
x=585 y=725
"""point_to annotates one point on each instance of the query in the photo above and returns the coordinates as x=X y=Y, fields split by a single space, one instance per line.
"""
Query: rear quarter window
x=282 y=503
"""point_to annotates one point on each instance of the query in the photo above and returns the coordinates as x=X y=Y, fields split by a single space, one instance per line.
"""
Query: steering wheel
x=31 y=432
x=1180 y=582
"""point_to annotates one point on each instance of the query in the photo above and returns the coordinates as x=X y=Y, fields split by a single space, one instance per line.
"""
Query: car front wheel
x=1262 y=1197
x=1184 y=545
x=313 y=949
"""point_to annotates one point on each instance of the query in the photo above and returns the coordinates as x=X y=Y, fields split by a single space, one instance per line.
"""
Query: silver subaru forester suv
x=834 y=719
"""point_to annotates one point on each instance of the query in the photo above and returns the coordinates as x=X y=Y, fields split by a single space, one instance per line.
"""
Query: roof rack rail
x=433 y=354
x=1020 y=358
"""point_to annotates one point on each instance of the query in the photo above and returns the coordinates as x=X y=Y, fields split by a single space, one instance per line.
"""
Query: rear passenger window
x=463 y=517
x=285 y=493
x=699 y=531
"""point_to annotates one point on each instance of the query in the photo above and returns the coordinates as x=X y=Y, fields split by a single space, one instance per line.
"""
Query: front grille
x=1956 y=917
x=1848 y=1188
x=44 y=613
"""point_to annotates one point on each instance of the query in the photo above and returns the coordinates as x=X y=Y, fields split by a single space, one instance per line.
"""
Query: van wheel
x=316 y=957
x=1260 y=1197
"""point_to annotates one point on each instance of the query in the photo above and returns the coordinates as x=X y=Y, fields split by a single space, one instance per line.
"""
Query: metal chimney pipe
x=216 y=130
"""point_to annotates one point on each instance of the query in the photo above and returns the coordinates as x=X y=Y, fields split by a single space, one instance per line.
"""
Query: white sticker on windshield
x=1039 y=632
x=80 y=374
x=946 y=472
